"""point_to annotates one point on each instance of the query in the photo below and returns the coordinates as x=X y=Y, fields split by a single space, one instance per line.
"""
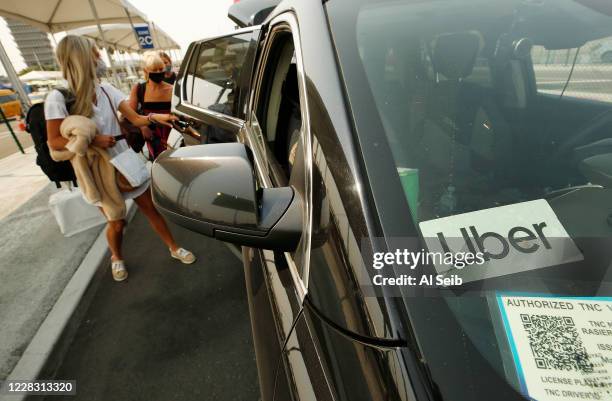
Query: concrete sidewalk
x=36 y=261
x=20 y=179
x=7 y=143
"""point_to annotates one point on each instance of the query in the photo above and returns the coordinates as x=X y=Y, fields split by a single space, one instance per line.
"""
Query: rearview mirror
x=211 y=189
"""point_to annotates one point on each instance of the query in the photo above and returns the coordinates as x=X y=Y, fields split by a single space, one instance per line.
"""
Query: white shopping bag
x=132 y=167
x=73 y=213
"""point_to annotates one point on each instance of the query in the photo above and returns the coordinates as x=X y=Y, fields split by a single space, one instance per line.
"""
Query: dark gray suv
x=322 y=135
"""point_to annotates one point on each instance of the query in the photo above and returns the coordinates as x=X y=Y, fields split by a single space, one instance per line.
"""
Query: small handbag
x=133 y=136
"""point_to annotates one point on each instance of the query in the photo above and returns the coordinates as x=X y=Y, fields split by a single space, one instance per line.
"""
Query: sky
x=184 y=20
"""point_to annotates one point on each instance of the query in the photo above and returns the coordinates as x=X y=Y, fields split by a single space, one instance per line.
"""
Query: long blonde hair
x=75 y=55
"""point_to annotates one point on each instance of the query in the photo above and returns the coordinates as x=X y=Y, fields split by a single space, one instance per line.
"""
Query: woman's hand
x=163 y=119
x=103 y=141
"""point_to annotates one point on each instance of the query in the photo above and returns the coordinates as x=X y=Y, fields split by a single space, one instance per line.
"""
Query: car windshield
x=497 y=118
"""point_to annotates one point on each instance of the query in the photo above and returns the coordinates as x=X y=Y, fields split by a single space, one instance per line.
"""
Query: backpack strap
x=69 y=98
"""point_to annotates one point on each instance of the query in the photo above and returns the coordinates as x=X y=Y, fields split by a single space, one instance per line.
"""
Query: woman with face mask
x=169 y=75
x=153 y=96
x=79 y=60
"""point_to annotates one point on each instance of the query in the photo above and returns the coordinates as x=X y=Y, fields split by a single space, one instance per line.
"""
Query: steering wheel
x=588 y=130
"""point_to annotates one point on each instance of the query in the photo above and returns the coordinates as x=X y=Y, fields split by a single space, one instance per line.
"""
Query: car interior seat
x=465 y=136
x=289 y=118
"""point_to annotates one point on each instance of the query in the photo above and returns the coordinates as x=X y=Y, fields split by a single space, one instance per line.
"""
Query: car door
x=211 y=88
x=275 y=134
x=330 y=350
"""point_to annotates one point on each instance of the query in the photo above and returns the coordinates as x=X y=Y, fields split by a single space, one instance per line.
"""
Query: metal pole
x=101 y=32
x=8 y=124
x=127 y=12
x=38 y=61
x=17 y=85
x=128 y=63
x=155 y=36
x=54 y=50
x=54 y=40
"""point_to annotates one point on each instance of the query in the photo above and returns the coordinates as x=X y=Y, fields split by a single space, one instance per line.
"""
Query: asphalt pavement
x=170 y=332
x=20 y=179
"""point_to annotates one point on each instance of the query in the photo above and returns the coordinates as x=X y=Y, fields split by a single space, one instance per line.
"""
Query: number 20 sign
x=145 y=40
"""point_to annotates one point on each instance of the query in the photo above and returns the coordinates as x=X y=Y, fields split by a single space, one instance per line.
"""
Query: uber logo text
x=520 y=238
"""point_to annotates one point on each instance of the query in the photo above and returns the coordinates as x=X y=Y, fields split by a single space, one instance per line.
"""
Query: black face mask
x=156 y=77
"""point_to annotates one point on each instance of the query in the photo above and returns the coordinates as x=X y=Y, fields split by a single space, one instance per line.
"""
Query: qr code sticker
x=555 y=343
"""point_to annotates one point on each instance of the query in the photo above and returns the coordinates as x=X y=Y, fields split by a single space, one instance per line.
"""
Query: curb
x=45 y=352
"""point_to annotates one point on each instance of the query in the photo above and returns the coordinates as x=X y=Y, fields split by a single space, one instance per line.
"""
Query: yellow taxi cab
x=9 y=102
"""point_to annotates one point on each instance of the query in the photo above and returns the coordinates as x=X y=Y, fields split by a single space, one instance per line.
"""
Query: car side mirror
x=211 y=189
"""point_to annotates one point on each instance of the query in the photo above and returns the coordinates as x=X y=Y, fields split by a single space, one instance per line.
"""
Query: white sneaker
x=119 y=271
x=183 y=255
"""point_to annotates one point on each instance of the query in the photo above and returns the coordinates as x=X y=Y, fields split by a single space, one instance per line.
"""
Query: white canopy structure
x=41 y=76
x=61 y=15
x=121 y=37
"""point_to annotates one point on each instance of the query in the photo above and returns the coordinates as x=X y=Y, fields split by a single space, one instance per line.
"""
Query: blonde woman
x=153 y=96
x=80 y=61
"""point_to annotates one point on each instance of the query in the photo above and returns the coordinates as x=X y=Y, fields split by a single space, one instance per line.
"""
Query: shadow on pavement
x=170 y=332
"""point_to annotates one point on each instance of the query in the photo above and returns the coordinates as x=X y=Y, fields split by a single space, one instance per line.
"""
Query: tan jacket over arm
x=95 y=174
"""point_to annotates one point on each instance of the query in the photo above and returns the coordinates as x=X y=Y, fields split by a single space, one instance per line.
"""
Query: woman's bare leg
x=114 y=237
x=145 y=204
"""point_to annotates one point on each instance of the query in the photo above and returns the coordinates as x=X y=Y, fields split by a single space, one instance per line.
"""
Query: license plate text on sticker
x=513 y=238
x=561 y=347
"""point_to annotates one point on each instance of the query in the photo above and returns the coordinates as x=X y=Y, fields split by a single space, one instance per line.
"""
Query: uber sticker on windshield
x=562 y=347
x=513 y=239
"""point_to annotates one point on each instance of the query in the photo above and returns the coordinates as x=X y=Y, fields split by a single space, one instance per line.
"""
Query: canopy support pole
x=8 y=124
x=155 y=36
x=54 y=50
x=110 y=57
x=127 y=12
x=17 y=85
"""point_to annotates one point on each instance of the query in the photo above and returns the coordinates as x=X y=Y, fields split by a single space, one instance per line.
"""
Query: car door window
x=280 y=133
x=188 y=83
x=215 y=87
x=217 y=72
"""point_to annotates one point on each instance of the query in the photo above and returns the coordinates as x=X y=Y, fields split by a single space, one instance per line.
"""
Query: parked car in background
x=11 y=107
x=333 y=129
